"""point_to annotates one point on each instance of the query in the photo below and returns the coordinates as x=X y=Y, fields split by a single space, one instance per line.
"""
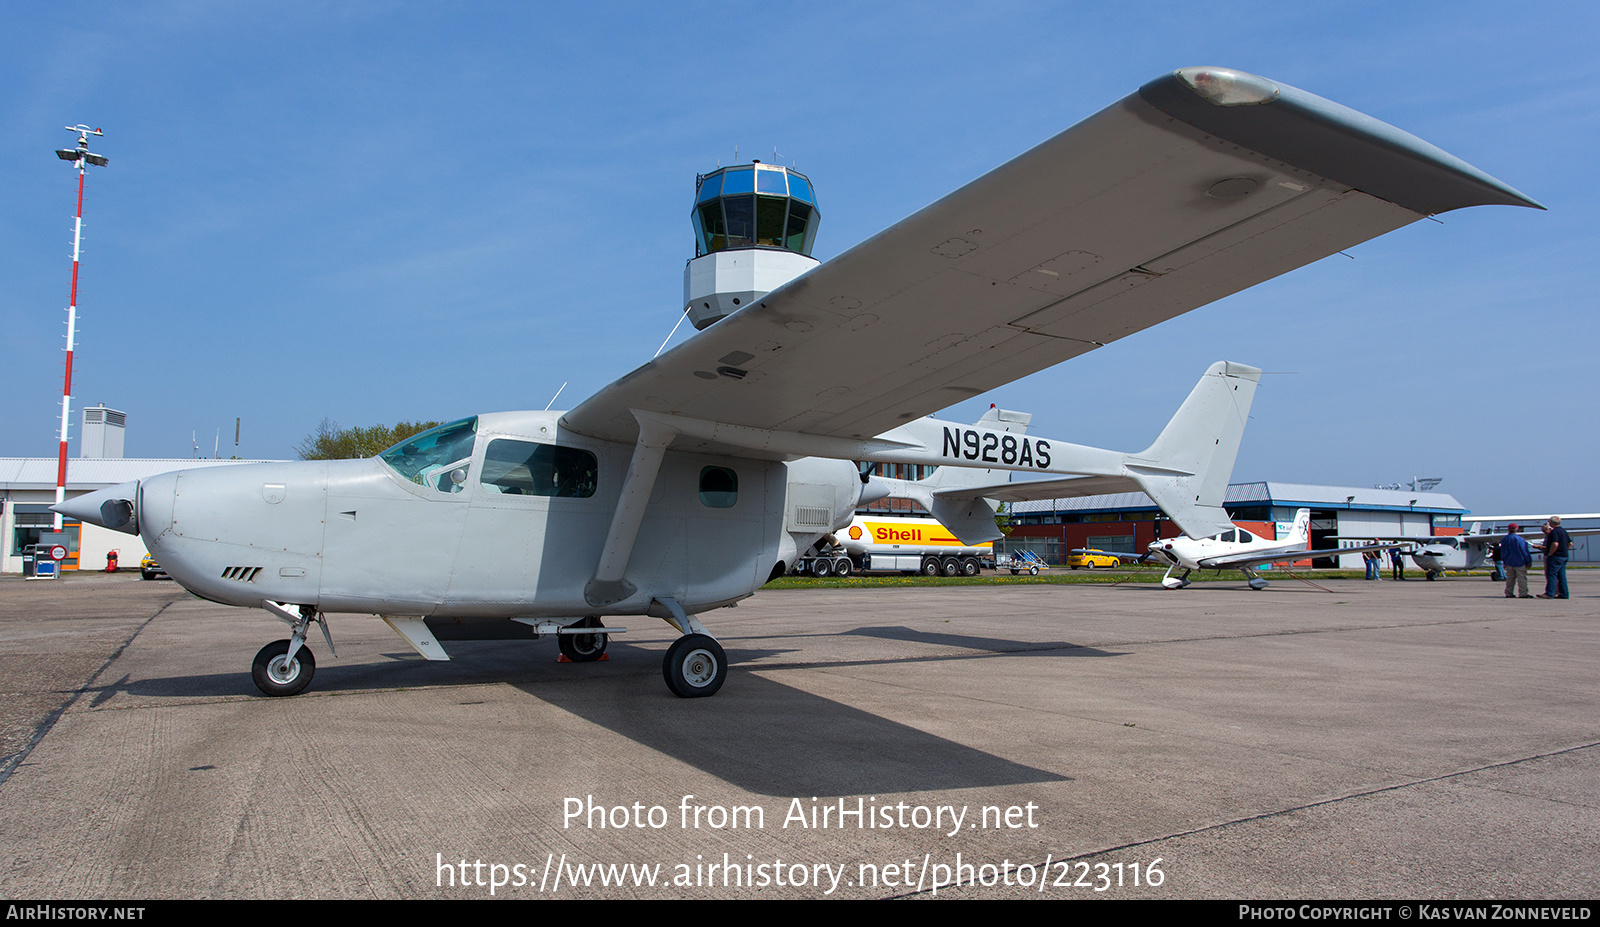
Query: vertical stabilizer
x=1302 y=527
x=1186 y=470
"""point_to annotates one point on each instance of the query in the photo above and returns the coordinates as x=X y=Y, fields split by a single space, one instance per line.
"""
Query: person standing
x=1557 y=547
x=1397 y=560
x=1516 y=556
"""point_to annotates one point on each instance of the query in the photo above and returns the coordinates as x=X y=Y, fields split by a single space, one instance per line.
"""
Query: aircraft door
x=533 y=530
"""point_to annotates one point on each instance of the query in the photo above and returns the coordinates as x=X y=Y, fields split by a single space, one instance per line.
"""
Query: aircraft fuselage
x=492 y=533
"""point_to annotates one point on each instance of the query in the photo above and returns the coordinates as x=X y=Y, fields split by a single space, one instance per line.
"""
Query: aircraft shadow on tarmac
x=758 y=734
x=477 y=662
x=772 y=739
x=993 y=645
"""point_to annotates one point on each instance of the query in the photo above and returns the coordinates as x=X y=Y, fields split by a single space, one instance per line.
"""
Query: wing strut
x=608 y=587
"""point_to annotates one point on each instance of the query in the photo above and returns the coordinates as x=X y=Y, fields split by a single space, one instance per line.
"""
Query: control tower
x=753 y=229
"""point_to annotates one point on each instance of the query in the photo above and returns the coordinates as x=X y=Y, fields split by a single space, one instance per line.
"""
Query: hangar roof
x=1266 y=492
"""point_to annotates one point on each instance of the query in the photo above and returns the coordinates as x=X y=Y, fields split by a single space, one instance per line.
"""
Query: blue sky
x=381 y=211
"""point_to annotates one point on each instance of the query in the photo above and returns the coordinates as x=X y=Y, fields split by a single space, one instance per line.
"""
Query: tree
x=330 y=442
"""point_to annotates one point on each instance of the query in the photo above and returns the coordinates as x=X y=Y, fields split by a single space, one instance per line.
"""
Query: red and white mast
x=82 y=157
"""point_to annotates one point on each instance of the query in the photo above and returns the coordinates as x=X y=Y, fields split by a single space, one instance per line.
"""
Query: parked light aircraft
x=1435 y=555
x=1238 y=549
x=687 y=483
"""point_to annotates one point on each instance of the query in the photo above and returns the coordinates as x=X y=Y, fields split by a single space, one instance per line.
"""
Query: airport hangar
x=1128 y=522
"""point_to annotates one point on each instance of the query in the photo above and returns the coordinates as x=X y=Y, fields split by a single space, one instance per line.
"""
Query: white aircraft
x=1201 y=440
x=1238 y=549
x=689 y=482
x=1435 y=555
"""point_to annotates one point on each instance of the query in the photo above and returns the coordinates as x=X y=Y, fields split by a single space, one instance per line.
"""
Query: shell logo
x=855 y=533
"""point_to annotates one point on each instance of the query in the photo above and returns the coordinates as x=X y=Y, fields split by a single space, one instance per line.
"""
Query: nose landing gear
x=286 y=667
x=1170 y=581
x=278 y=674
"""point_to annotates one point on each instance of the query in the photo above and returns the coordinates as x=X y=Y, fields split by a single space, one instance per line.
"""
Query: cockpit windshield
x=431 y=458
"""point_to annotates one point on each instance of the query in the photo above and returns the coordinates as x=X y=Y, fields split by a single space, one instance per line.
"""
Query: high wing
x=1494 y=526
x=1203 y=183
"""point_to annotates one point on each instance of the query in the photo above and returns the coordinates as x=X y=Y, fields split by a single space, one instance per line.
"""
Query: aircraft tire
x=970 y=567
x=695 y=666
x=930 y=566
x=583 y=648
x=278 y=679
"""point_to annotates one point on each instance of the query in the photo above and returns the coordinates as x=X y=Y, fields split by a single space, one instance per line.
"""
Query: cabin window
x=433 y=458
x=523 y=468
x=719 y=487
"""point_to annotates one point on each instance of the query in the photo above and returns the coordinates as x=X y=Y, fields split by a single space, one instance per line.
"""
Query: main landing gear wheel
x=695 y=666
x=277 y=676
x=584 y=648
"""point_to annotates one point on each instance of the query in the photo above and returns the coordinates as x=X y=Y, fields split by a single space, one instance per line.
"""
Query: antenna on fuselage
x=553 y=398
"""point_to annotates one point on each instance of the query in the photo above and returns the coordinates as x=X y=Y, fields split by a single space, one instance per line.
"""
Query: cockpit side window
x=523 y=468
x=438 y=458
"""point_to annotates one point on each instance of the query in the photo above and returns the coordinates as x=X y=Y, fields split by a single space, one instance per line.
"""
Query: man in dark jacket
x=1557 y=547
x=1516 y=556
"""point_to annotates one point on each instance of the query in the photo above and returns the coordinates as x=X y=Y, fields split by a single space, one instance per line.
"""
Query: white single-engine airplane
x=1435 y=555
x=689 y=482
x=1238 y=549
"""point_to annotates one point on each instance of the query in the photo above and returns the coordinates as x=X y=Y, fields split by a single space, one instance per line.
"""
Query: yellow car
x=149 y=568
x=1092 y=560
